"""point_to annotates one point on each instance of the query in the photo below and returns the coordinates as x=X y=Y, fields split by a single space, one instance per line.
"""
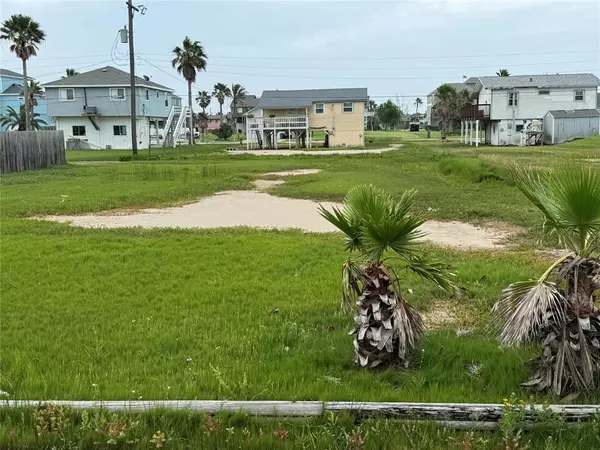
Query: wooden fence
x=28 y=150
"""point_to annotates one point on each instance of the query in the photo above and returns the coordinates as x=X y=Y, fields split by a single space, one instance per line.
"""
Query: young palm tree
x=238 y=94
x=418 y=102
x=221 y=92
x=376 y=224
x=372 y=105
x=33 y=90
x=71 y=72
x=188 y=60
x=25 y=36
x=14 y=120
x=503 y=73
x=558 y=310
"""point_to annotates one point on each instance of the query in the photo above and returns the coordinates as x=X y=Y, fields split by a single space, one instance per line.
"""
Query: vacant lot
x=242 y=313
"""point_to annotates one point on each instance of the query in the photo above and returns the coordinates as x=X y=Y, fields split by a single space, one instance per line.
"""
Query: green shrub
x=474 y=170
x=224 y=132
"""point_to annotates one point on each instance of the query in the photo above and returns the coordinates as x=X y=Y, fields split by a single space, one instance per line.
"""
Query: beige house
x=295 y=115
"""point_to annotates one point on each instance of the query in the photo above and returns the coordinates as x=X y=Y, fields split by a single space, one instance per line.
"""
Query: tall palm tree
x=238 y=94
x=70 y=73
x=14 y=120
x=558 y=310
x=372 y=105
x=221 y=91
x=203 y=100
x=376 y=225
x=188 y=60
x=25 y=36
x=418 y=102
x=503 y=73
x=33 y=90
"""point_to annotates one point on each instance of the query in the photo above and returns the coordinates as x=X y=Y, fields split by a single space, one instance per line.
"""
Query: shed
x=562 y=126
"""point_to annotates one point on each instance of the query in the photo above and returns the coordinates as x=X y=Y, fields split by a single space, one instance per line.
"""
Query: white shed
x=562 y=126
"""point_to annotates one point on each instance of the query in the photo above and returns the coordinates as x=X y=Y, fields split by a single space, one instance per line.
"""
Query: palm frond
x=436 y=272
x=343 y=221
x=408 y=327
x=525 y=309
x=352 y=272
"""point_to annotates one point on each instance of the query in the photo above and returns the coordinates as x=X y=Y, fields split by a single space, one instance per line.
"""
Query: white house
x=93 y=109
x=504 y=109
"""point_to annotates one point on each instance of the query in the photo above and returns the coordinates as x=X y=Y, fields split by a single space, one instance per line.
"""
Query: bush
x=474 y=170
x=224 y=132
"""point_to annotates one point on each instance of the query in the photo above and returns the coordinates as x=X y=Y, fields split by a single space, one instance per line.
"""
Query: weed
x=51 y=419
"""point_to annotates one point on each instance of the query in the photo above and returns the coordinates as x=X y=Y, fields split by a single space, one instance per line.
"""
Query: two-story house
x=93 y=108
x=296 y=113
x=11 y=94
x=504 y=108
x=239 y=115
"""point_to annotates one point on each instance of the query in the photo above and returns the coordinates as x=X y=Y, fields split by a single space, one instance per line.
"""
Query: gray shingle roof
x=306 y=97
x=541 y=81
x=105 y=76
x=560 y=113
x=10 y=73
x=14 y=89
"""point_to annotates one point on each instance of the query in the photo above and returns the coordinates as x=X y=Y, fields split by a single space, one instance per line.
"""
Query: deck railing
x=475 y=112
x=278 y=122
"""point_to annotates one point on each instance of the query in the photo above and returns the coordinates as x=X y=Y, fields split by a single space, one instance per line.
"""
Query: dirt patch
x=266 y=184
x=439 y=316
x=286 y=173
x=313 y=152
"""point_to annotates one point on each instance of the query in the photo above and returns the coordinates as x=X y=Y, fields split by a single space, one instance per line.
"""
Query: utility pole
x=130 y=9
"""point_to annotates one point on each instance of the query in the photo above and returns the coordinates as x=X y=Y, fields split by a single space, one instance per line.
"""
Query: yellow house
x=295 y=115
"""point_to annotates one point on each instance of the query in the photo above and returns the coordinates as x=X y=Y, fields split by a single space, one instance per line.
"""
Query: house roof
x=105 y=76
x=306 y=97
x=214 y=117
x=561 y=113
x=14 y=89
x=249 y=101
x=457 y=86
x=541 y=81
x=10 y=73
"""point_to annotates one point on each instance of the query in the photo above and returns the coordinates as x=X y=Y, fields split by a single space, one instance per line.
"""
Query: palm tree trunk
x=221 y=112
x=191 y=120
x=26 y=97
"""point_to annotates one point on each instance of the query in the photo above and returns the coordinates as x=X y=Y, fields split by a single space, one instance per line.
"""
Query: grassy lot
x=246 y=314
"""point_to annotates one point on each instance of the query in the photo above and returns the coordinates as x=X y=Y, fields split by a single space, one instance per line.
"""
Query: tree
x=371 y=106
x=225 y=131
x=71 y=72
x=558 y=310
x=449 y=103
x=14 y=120
x=33 y=90
x=376 y=224
x=188 y=60
x=503 y=73
x=389 y=114
x=221 y=91
x=201 y=119
x=238 y=94
x=203 y=100
x=25 y=36
x=418 y=102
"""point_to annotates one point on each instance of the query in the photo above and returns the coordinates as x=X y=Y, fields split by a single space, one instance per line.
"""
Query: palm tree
x=188 y=60
x=221 y=91
x=238 y=94
x=503 y=73
x=375 y=224
x=33 y=90
x=25 y=36
x=71 y=72
x=449 y=103
x=558 y=310
x=418 y=102
x=14 y=120
x=372 y=105
x=203 y=100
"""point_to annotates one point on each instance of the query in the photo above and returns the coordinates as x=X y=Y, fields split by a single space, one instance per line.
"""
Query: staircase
x=175 y=122
x=259 y=138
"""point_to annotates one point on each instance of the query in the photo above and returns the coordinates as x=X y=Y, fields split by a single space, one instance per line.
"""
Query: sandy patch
x=440 y=315
x=312 y=152
x=266 y=184
x=286 y=173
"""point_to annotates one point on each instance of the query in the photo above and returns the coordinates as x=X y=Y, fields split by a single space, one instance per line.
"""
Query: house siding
x=563 y=129
x=15 y=101
x=345 y=128
x=100 y=139
x=153 y=107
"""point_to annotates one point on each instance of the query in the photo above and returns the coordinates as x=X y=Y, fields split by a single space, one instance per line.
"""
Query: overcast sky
x=397 y=49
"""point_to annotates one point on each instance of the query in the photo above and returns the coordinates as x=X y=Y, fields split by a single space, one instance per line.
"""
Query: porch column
x=477 y=133
x=289 y=138
x=275 y=144
x=462 y=126
x=470 y=132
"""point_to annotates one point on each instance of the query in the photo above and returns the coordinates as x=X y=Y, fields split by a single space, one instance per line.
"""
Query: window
x=117 y=94
x=513 y=99
x=291 y=111
x=519 y=128
x=319 y=108
x=147 y=94
x=579 y=95
x=78 y=130
x=120 y=130
x=166 y=100
x=348 y=107
x=157 y=94
x=67 y=95
x=240 y=110
x=543 y=92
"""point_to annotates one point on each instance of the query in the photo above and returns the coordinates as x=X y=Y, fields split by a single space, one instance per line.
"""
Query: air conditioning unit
x=91 y=110
x=109 y=147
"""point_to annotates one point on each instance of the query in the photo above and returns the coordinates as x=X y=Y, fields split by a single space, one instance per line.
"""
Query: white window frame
x=147 y=94
x=79 y=126
x=121 y=127
x=64 y=98
x=291 y=111
x=113 y=94
x=321 y=108
x=513 y=98
x=351 y=107
x=582 y=92
x=157 y=94
x=240 y=110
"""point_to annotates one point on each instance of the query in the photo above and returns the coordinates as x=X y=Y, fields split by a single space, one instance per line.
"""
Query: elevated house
x=511 y=110
x=239 y=115
x=11 y=94
x=340 y=113
x=93 y=109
